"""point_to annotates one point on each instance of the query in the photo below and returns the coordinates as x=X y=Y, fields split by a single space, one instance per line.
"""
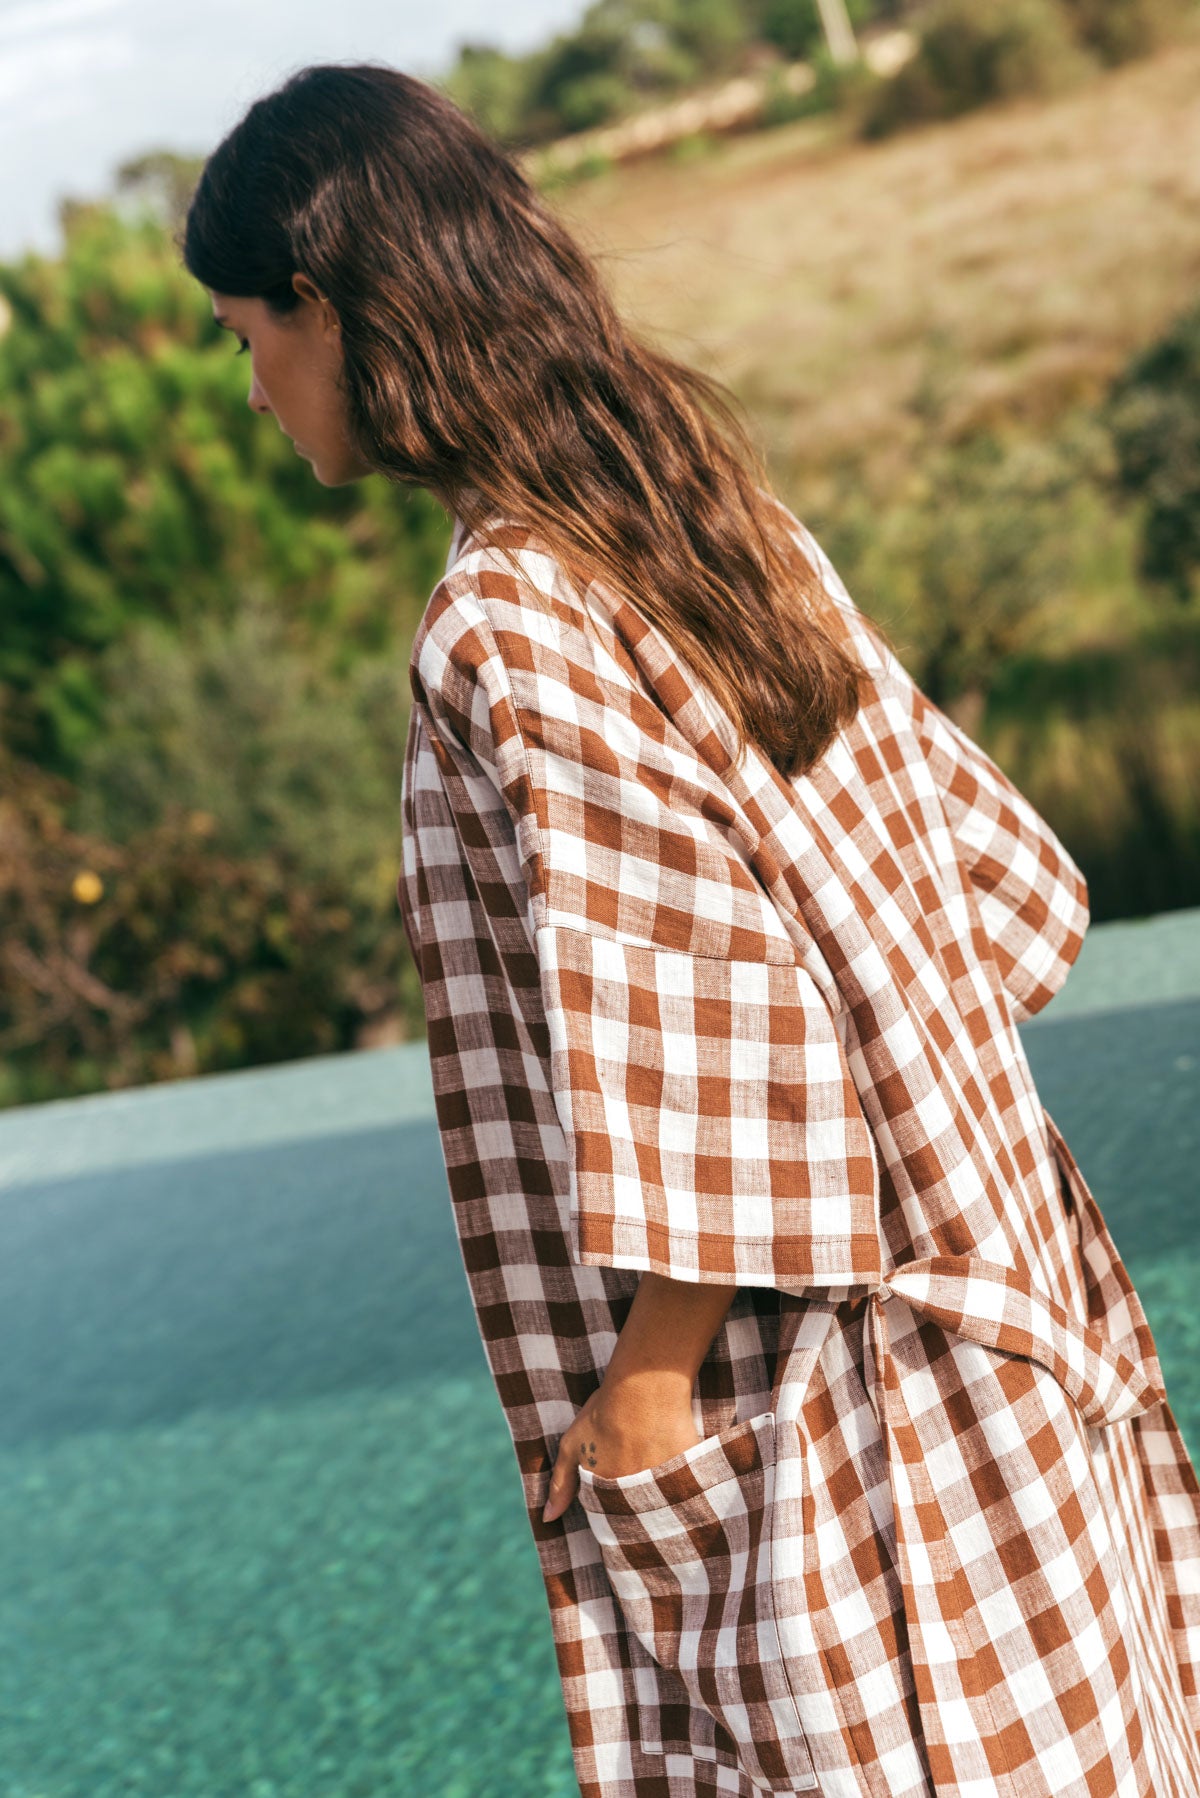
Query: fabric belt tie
x=1000 y=1308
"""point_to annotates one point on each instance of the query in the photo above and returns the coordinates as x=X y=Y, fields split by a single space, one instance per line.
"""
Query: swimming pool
x=261 y=1531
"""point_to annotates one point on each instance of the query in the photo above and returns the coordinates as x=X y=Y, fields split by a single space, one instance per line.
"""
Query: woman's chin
x=332 y=471
x=325 y=471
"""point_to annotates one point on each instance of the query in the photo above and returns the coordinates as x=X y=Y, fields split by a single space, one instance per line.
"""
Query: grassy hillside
x=1006 y=263
x=924 y=331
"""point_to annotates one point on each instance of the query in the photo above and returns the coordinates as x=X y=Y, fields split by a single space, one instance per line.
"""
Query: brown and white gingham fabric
x=941 y=1535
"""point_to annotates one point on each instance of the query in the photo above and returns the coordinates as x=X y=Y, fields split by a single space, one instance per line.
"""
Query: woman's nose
x=257 y=399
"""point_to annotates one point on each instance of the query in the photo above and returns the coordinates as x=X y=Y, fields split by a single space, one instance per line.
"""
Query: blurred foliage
x=1120 y=30
x=971 y=52
x=494 y=88
x=203 y=690
x=1155 y=419
x=242 y=720
x=847 y=88
x=960 y=565
x=136 y=482
x=158 y=184
x=172 y=954
x=627 y=55
x=794 y=26
x=1105 y=741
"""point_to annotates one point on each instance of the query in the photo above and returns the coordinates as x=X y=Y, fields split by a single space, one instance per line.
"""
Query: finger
x=563 y=1484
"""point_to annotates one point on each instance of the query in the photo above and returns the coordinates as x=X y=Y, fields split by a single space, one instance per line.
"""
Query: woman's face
x=295 y=374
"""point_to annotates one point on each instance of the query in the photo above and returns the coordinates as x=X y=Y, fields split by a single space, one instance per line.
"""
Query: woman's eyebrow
x=220 y=318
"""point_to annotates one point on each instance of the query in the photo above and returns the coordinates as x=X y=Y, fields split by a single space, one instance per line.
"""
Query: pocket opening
x=688 y=1549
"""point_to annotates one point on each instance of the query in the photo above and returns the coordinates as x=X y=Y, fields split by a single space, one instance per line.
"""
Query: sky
x=87 y=84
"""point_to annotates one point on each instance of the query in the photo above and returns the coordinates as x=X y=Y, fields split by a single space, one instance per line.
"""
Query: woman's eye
x=244 y=348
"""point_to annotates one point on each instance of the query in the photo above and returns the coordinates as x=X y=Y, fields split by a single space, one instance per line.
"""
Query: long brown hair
x=484 y=361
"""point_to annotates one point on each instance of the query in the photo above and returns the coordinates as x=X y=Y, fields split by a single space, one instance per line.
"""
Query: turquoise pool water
x=260 y=1526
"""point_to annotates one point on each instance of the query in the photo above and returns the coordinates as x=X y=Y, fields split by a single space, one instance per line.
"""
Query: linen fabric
x=941 y=1534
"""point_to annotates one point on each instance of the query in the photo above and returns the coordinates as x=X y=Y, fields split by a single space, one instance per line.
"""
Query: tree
x=493 y=87
x=161 y=183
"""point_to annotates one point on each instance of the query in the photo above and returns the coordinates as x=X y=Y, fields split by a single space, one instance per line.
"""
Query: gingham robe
x=941 y=1535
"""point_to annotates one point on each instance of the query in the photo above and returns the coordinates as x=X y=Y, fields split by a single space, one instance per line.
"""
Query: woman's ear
x=308 y=290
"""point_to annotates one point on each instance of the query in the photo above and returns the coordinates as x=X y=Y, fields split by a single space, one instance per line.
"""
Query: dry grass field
x=1000 y=267
x=878 y=307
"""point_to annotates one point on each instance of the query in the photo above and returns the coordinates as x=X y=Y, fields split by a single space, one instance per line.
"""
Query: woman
x=842 y=1433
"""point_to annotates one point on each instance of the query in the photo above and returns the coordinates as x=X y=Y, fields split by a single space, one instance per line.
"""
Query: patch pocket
x=687 y=1547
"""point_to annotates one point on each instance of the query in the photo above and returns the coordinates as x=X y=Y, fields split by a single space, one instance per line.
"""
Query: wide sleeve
x=713 y=1130
x=1033 y=899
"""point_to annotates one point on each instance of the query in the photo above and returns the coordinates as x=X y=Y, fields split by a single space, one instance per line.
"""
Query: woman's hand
x=624 y=1427
x=641 y=1413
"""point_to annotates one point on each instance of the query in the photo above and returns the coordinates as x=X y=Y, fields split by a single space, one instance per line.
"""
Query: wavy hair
x=484 y=361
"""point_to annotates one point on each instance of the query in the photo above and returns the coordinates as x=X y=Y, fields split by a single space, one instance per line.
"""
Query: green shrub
x=711 y=31
x=593 y=100
x=553 y=174
x=1104 y=738
x=1154 y=414
x=238 y=720
x=794 y=26
x=697 y=146
x=972 y=52
x=839 y=87
x=166 y=957
x=959 y=566
x=221 y=891
x=1119 y=30
x=136 y=483
x=493 y=87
